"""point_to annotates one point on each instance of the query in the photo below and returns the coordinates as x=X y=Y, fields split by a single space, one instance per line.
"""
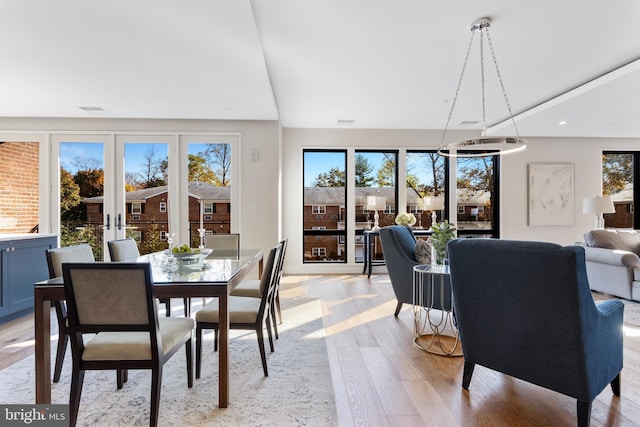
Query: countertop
x=7 y=237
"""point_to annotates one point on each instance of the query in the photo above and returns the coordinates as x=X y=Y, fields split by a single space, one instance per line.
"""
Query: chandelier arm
x=455 y=97
x=504 y=92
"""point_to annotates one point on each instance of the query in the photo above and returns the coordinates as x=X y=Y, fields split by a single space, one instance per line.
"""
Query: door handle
x=108 y=224
x=119 y=224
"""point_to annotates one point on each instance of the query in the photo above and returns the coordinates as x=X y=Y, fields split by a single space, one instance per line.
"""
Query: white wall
x=259 y=186
x=584 y=153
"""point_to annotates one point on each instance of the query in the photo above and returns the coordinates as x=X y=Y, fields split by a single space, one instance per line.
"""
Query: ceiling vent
x=91 y=109
x=345 y=122
x=469 y=123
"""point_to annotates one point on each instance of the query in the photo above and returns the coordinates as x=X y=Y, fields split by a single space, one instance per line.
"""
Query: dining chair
x=223 y=242
x=116 y=302
x=244 y=313
x=123 y=250
x=251 y=287
x=55 y=258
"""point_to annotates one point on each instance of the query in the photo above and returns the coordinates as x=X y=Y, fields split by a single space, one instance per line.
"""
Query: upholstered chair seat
x=244 y=313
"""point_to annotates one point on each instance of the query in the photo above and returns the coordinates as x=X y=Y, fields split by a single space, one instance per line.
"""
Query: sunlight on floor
x=631 y=331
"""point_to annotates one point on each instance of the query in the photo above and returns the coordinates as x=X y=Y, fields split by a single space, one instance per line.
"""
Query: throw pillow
x=422 y=252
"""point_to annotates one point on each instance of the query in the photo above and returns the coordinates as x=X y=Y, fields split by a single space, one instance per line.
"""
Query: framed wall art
x=551 y=194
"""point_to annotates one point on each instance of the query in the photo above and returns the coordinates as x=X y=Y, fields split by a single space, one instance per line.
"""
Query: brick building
x=147 y=209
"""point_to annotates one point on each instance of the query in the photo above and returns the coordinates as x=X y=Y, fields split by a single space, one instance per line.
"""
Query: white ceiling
x=391 y=64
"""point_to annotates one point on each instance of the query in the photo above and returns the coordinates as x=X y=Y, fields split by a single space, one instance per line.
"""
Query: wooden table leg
x=42 y=316
x=223 y=362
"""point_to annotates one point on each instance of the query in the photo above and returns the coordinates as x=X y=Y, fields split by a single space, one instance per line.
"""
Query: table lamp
x=376 y=203
x=598 y=206
x=433 y=204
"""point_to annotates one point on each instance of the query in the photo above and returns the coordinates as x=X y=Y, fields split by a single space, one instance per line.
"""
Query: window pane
x=146 y=194
x=82 y=195
x=324 y=206
x=617 y=183
x=476 y=196
x=376 y=177
x=426 y=182
x=210 y=185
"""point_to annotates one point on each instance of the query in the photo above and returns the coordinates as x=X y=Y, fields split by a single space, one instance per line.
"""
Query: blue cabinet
x=22 y=263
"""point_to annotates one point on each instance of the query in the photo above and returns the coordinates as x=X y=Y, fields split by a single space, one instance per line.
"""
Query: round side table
x=434 y=324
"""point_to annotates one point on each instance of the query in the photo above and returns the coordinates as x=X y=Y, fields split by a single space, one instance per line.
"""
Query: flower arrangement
x=442 y=233
x=406 y=219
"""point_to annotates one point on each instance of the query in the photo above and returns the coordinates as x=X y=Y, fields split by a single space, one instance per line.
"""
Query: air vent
x=345 y=122
x=469 y=123
x=89 y=108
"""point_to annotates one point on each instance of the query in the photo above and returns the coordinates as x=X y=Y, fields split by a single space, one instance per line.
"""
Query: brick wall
x=19 y=193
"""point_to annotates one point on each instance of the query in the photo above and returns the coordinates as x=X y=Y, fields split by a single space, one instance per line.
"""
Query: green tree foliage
x=363 y=171
x=69 y=196
x=387 y=173
x=334 y=178
x=151 y=241
x=617 y=172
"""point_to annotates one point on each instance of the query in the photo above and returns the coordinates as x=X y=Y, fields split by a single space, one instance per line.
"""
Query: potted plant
x=442 y=233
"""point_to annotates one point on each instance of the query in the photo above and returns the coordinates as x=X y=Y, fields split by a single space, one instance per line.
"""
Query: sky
x=134 y=153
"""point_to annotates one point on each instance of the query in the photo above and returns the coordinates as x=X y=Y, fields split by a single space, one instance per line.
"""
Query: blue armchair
x=398 y=244
x=525 y=309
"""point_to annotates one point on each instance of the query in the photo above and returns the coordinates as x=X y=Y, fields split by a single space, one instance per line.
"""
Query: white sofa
x=613 y=263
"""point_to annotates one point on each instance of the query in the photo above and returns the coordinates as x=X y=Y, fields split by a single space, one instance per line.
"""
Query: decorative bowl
x=195 y=257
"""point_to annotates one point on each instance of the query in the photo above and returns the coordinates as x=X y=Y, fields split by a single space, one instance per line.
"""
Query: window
x=477 y=193
x=416 y=210
x=620 y=172
x=163 y=235
x=136 y=208
x=324 y=204
x=208 y=208
x=319 y=252
x=163 y=207
x=319 y=209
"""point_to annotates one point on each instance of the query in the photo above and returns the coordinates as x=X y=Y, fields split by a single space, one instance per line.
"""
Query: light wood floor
x=381 y=378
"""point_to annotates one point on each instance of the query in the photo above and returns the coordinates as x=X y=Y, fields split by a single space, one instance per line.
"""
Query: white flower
x=405 y=219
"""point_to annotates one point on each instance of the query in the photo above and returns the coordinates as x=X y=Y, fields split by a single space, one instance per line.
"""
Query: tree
x=199 y=170
x=387 y=173
x=91 y=182
x=475 y=174
x=334 y=178
x=617 y=172
x=69 y=196
x=152 y=173
x=363 y=171
x=219 y=161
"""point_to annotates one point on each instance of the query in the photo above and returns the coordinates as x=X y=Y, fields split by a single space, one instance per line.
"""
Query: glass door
x=144 y=193
x=85 y=211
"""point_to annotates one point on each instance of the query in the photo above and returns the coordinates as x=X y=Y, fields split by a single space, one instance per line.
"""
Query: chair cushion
x=136 y=345
x=241 y=310
x=248 y=288
x=422 y=251
x=626 y=240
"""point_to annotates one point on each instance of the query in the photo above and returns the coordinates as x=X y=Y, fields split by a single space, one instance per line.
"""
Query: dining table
x=215 y=276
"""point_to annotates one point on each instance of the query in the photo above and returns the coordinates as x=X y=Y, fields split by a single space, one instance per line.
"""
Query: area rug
x=631 y=312
x=298 y=390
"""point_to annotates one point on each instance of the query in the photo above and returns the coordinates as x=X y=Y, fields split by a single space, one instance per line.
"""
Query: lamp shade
x=433 y=203
x=376 y=203
x=597 y=205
